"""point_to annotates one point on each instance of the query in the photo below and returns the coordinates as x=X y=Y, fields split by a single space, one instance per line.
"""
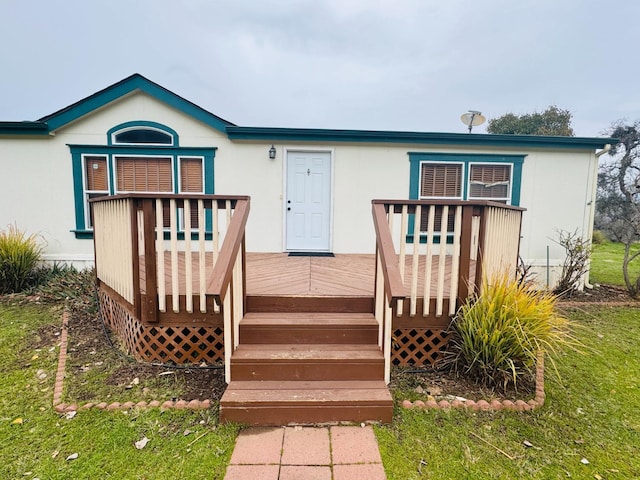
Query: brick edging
x=494 y=405
x=64 y=407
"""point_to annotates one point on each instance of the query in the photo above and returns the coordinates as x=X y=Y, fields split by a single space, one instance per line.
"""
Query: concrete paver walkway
x=306 y=453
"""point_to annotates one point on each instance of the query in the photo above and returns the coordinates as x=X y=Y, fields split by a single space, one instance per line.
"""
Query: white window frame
x=128 y=129
x=87 y=192
x=181 y=192
x=435 y=162
x=189 y=157
x=506 y=199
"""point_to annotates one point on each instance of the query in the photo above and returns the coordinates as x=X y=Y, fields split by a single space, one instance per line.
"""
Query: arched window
x=142 y=133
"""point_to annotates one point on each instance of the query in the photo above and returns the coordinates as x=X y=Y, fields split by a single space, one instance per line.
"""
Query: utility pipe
x=592 y=203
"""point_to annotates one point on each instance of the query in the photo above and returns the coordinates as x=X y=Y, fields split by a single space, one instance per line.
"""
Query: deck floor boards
x=277 y=274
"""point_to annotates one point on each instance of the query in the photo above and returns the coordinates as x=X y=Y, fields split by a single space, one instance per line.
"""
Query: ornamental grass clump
x=19 y=258
x=497 y=336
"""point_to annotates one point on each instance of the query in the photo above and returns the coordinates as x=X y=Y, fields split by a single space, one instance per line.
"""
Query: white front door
x=308 y=201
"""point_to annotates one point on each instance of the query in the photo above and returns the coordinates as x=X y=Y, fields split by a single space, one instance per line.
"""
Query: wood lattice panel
x=181 y=344
x=418 y=346
x=155 y=343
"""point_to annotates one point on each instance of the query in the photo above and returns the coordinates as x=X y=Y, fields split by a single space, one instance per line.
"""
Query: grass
x=37 y=441
x=593 y=415
x=606 y=264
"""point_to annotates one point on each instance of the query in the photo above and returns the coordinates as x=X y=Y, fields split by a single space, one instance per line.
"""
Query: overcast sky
x=350 y=64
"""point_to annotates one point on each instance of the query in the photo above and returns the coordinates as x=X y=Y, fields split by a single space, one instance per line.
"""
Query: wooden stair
x=307 y=368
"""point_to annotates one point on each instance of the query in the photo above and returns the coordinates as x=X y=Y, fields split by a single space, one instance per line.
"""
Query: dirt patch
x=94 y=353
x=601 y=294
x=427 y=381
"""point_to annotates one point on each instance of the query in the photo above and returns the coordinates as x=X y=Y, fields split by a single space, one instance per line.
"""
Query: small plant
x=19 y=258
x=497 y=336
x=599 y=237
x=576 y=262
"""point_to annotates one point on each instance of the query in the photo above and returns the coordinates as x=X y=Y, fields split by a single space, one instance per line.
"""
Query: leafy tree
x=553 y=121
x=618 y=205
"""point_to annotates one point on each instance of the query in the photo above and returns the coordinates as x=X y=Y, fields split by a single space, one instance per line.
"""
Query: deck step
x=307 y=362
x=305 y=402
x=316 y=328
x=310 y=304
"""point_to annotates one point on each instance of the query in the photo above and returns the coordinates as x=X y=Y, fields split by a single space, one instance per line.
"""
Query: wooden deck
x=278 y=274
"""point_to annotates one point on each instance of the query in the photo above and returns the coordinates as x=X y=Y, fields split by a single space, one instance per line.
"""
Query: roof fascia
x=24 y=128
x=431 y=138
x=135 y=82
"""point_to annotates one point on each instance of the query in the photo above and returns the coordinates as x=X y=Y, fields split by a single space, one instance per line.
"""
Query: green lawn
x=38 y=447
x=606 y=264
x=593 y=414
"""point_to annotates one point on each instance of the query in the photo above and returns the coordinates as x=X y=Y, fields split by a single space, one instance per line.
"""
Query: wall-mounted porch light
x=272 y=152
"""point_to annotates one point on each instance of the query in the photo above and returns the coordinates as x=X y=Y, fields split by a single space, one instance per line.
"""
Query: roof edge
x=135 y=82
x=438 y=138
x=24 y=128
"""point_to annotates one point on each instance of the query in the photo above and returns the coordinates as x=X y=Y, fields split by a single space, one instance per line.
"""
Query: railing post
x=465 y=254
x=135 y=257
x=149 y=307
x=480 y=256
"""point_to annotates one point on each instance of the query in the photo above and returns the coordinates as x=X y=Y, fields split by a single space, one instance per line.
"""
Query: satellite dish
x=472 y=118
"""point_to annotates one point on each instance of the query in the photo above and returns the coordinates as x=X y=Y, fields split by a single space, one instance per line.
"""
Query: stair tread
x=305 y=384
x=305 y=319
x=306 y=392
x=284 y=352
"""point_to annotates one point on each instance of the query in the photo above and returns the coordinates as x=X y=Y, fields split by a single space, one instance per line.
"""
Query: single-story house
x=310 y=188
x=190 y=216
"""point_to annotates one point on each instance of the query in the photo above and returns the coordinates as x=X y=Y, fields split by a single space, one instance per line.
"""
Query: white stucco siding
x=92 y=129
x=245 y=169
x=36 y=185
x=556 y=191
x=364 y=173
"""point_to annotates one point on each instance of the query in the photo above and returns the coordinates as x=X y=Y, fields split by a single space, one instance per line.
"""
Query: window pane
x=143 y=135
x=96 y=173
x=437 y=219
x=441 y=180
x=489 y=181
x=144 y=174
x=191 y=175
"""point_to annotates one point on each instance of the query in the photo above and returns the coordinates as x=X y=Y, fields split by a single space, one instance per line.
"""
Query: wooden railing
x=174 y=255
x=431 y=256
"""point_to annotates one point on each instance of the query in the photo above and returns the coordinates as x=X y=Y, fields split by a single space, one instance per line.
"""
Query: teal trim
x=24 y=128
x=430 y=138
x=112 y=175
x=135 y=82
x=144 y=150
x=77 y=151
x=83 y=234
x=78 y=190
x=143 y=124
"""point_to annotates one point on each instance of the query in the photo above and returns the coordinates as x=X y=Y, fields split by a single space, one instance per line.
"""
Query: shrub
x=497 y=336
x=599 y=237
x=19 y=257
x=576 y=262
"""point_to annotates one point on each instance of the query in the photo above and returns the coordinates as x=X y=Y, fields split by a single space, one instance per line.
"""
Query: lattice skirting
x=418 y=346
x=160 y=343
